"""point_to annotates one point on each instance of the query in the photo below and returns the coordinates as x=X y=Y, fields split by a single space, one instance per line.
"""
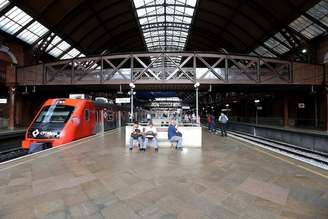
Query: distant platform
x=5 y=132
x=98 y=177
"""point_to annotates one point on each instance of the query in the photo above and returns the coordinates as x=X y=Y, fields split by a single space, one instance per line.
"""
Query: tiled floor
x=100 y=178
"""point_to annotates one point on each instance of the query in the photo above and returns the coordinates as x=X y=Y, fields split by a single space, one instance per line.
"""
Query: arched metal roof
x=245 y=24
x=74 y=28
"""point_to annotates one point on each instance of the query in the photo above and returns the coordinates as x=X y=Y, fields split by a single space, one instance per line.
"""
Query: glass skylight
x=14 y=20
x=71 y=54
x=264 y=52
x=276 y=46
x=54 y=42
x=32 y=32
x=59 y=49
x=165 y=23
x=3 y=3
x=306 y=27
x=320 y=12
x=280 y=37
x=19 y=23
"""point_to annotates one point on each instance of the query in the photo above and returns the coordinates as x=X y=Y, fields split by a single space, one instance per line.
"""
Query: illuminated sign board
x=3 y=100
x=122 y=100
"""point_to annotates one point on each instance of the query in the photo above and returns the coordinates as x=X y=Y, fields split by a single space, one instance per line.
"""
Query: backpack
x=223 y=119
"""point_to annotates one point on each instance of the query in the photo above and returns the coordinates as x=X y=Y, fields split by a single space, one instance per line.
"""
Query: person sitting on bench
x=135 y=135
x=174 y=134
x=150 y=134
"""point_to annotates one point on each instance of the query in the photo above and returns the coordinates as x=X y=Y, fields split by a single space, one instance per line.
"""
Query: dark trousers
x=213 y=126
x=223 y=127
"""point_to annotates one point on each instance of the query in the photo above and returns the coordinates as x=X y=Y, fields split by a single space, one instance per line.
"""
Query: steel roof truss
x=116 y=68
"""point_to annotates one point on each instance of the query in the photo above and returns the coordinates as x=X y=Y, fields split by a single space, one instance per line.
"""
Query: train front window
x=55 y=114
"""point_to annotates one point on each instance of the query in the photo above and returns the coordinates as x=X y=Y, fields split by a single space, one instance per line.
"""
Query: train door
x=99 y=120
x=96 y=121
x=110 y=119
x=102 y=114
x=86 y=123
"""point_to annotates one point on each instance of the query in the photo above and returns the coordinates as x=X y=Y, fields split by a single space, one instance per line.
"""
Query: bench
x=191 y=136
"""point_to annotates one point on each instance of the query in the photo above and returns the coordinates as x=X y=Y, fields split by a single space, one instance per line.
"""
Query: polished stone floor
x=99 y=178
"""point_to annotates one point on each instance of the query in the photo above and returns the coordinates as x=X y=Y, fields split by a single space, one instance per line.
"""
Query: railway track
x=10 y=145
x=312 y=157
x=12 y=153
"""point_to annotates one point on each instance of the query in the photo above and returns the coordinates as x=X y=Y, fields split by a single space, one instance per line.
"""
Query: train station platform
x=98 y=177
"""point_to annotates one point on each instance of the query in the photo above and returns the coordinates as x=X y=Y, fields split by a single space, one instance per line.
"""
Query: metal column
x=197 y=114
x=119 y=119
x=131 y=111
x=11 y=119
x=256 y=116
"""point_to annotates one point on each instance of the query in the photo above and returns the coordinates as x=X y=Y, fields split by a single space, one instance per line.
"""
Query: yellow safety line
x=56 y=149
x=282 y=159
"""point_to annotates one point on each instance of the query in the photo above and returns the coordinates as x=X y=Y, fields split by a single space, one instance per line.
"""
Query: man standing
x=148 y=117
x=223 y=120
x=174 y=135
x=150 y=134
x=209 y=122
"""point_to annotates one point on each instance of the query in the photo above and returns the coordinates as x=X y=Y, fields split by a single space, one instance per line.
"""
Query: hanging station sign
x=259 y=108
x=3 y=100
x=122 y=100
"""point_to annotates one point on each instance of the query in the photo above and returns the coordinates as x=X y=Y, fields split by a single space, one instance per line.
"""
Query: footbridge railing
x=170 y=68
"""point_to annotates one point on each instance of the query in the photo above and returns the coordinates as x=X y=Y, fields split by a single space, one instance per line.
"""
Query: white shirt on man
x=150 y=129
